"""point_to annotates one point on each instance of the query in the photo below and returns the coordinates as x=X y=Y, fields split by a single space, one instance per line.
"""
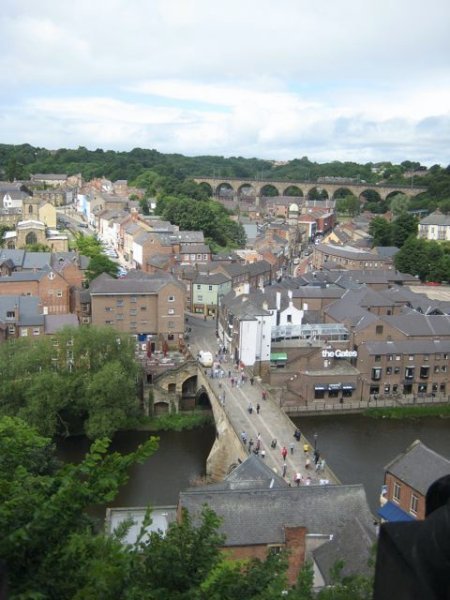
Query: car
x=84 y=225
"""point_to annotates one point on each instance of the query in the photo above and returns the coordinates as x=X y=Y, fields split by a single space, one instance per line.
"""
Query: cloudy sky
x=360 y=80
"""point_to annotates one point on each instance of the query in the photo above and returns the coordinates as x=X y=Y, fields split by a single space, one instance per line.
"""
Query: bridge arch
x=293 y=190
x=342 y=192
x=394 y=193
x=269 y=190
x=318 y=193
x=207 y=187
x=246 y=190
x=225 y=189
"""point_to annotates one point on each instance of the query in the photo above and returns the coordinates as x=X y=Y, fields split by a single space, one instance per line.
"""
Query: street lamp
x=315 y=442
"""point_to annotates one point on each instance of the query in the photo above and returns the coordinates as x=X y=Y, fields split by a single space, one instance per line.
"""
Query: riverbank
x=173 y=421
x=408 y=412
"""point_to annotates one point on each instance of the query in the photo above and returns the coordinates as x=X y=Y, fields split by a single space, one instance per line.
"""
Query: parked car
x=84 y=225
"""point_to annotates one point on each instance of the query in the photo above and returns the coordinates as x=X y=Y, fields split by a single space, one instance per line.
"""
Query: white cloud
x=343 y=79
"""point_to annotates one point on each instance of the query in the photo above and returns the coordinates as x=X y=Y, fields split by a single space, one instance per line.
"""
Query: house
x=148 y=306
x=207 y=290
x=260 y=514
x=20 y=316
x=46 y=284
x=435 y=227
x=407 y=478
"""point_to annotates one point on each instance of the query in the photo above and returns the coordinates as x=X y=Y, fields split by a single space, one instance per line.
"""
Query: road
x=270 y=424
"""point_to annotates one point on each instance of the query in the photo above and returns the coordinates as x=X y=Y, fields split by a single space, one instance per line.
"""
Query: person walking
x=244 y=437
x=250 y=408
x=264 y=395
x=263 y=454
x=252 y=380
x=284 y=452
x=298 y=478
x=250 y=445
x=258 y=408
x=284 y=469
x=291 y=447
x=305 y=449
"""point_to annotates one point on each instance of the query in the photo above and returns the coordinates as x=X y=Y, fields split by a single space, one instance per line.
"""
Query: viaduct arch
x=236 y=186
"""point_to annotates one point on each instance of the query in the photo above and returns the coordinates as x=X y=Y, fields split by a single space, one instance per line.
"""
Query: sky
x=347 y=80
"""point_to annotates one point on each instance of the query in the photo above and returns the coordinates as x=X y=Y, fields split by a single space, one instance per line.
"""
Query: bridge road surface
x=271 y=423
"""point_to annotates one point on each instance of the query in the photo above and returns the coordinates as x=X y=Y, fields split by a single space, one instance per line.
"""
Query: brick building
x=407 y=479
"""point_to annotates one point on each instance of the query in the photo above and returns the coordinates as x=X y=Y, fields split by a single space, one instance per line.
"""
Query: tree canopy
x=78 y=380
x=429 y=260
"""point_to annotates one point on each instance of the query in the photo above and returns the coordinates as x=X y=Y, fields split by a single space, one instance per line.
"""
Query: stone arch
x=189 y=386
x=342 y=192
x=393 y=193
x=293 y=190
x=317 y=193
x=160 y=408
x=207 y=187
x=30 y=238
x=269 y=190
x=246 y=190
x=202 y=399
x=294 y=208
x=225 y=189
x=370 y=195
x=30 y=209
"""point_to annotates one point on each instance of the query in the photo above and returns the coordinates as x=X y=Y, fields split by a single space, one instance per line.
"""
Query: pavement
x=271 y=423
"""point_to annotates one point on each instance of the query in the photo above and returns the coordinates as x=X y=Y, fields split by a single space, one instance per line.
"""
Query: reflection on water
x=358 y=448
x=181 y=458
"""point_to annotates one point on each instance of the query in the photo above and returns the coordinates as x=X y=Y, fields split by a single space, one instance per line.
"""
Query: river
x=356 y=448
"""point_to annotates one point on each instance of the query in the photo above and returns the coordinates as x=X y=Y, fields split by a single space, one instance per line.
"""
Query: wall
x=405 y=496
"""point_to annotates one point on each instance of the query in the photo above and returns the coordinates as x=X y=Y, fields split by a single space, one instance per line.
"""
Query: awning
x=321 y=388
x=334 y=386
x=392 y=512
x=348 y=386
x=278 y=356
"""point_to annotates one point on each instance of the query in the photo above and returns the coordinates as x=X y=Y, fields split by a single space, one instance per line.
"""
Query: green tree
x=49 y=544
x=100 y=264
x=399 y=204
x=348 y=205
x=80 y=379
x=404 y=226
x=381 y=231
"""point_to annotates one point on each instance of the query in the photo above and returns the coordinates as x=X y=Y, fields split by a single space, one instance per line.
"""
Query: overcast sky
x=360 y=80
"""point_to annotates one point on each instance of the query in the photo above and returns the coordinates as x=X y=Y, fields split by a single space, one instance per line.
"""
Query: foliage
x=348 y=205
x=381 y=231
x=429 y=260
x=399 y=204
x=78 y=379
x=3 y=230
x=101 y=264
x=88 y=245
x=176 y=421
x=408 y=412
x=37 y=247
x=395 y=233
x=49 y=544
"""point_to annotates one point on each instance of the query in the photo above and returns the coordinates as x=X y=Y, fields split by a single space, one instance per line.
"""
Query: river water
x=356 y=448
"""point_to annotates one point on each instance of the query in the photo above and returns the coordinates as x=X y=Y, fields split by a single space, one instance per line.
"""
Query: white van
x=205 y=358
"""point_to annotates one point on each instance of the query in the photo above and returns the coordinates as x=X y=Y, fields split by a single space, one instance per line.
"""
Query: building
x=406 y=481
x=348 y=257
x=149 y=306
x=260 y=514
x=46 y=284
x=435 y=227
x=20 y=316
x=207 y=290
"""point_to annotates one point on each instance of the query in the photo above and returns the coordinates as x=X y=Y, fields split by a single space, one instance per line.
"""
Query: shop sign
x=339 y=353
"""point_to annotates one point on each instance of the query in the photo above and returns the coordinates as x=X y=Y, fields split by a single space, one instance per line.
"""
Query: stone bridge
x=256 y=187
x=187 y=387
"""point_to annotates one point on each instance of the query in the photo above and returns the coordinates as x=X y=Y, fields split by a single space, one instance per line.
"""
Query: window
x=387 y=388
x=59 y=293
x=199 y=287
x=171 y=311
x=426 y=357
x=143 y=308
x=24 y=332
x=379 y=329
x=119 y=302
x=390 y=357
x=438 y=357
x=108 y=322
x=133 y=299
x=171 y=299
x=289 y=318
x=414 y=504
x=397 y=490
x=36 y=331
x=409 y=373
x=398 y=357
x=133 y=325
x=133 y=312
x=377 y=358
x=119 y=317
x=437 y=369
x=424 y=372
x=10 y=314
x=444 y=368
x=388 y=370
x=108 y=309
x=422 y=388
x=210 y=288
x=376 y=373
x=411 y=357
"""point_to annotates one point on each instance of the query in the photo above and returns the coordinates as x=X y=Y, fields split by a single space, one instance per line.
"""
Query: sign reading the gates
x=339 y=353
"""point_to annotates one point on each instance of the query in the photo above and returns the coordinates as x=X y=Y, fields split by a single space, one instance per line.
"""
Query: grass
x=408 y=412
x=175 y=421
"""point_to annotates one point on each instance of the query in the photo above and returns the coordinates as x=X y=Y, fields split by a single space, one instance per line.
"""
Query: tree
x=348 y=205
x=404 y=226
x=100 y=264
x=381 y=231
x=399 y=204
x=79 y=379
x=49 y=544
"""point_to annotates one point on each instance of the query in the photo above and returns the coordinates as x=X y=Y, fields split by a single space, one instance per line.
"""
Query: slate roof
x=54 y=323
x=409 y=347
x=211 y=279
x=30 y=309
x=194 y=249
x=107 y=285
x=36 y=260
x=258 y=516
x=416 y=324
x=419 y=466
x=436 y=218
x=24 y=276
x=17 y=256
x=346 y=252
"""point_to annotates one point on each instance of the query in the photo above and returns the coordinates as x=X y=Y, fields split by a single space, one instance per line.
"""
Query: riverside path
x=271 y=423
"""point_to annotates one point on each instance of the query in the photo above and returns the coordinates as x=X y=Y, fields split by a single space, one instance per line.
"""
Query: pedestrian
x=250 y=408
x=258 y=408
x=244 y=437
x=259 y=436
x=298 y=478
x=273 y=443
x=252 y=380
x=263 y=454
x=316 y=456
x=250 y=445
x=284 y=452
x=307 y=463
x=291 y=447
x=232 y=382
x=264 y=395
x=258 y=444
x=322 y=464
x=297 y=435
x=306 y=448
x=284 y=469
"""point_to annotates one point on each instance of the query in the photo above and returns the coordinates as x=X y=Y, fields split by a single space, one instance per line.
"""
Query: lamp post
x=315 y=442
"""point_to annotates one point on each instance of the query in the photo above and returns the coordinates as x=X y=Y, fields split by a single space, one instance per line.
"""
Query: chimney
x=278 y=300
